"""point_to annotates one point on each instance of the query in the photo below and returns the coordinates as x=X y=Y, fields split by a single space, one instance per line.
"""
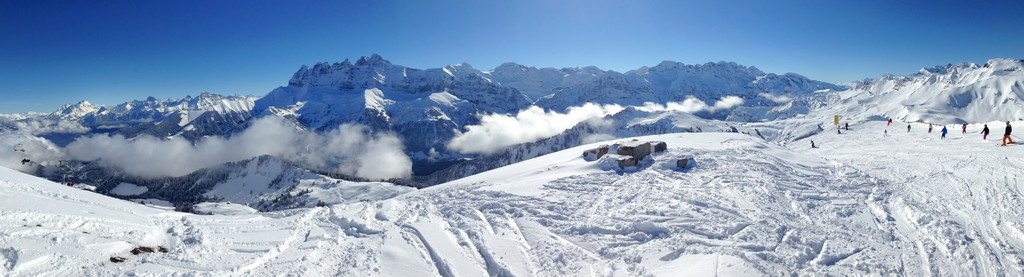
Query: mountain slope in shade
x=537 y=83
x=677 y=82
x=424 y=107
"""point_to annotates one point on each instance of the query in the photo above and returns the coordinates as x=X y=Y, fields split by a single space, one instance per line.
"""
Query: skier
x=886 y=134
x=929 y=128
x=812 y=144
x=908 y=128
x=847 y=126
x=965 y=128
x=1006 y=136
x=984 y=133
x=943 y=132
x=890 y=122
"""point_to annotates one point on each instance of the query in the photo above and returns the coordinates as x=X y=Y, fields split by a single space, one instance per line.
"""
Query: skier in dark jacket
x=1006 y=136
x=984 y=133
x=929 y=128
x=965 y=128
x=943 y=132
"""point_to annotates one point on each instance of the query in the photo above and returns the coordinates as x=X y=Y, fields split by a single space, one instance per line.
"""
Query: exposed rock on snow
x=684 y=162
x=636 y=149
x=595 y=153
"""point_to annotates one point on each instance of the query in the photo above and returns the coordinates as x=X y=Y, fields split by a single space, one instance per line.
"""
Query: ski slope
x=953 y=206
x=860 y=204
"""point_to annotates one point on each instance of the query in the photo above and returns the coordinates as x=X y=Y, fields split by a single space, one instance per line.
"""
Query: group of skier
x=984 y=131
x=963 y=127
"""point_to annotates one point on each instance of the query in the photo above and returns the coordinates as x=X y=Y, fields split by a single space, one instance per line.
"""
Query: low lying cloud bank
x=348 y=149
x=776 y=98
x=40 y=126
x=692 y=105
x=18 y=146
x=498 y=131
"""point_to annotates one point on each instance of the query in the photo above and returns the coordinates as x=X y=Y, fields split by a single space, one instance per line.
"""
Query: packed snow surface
x=859 y=204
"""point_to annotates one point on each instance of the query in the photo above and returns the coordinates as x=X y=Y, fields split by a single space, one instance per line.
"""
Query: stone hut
x=636 y=149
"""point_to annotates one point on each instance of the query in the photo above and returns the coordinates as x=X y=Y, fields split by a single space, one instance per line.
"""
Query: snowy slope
x=855 y=206
x=953 y=206
x=961 y=93
x=51 y=229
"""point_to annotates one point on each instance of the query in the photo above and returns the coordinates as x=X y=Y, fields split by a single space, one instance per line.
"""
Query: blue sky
x=58 y=52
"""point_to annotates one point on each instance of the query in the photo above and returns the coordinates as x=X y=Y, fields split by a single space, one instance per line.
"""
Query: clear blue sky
x=58 y=52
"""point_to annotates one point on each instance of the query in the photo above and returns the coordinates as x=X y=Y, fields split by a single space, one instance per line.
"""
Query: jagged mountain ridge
x=537 y=83
x=950 y=94
x=429 y=107
x=675 y=82
x=426 y=108
x=190 y=117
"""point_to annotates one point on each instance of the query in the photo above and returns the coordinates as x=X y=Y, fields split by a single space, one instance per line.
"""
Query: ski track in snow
x=954 y=201
x=861 y=204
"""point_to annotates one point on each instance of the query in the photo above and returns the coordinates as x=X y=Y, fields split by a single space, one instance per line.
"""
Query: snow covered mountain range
x=960 y=93
x=426 y=109
x=758 y=201
x=189 y=117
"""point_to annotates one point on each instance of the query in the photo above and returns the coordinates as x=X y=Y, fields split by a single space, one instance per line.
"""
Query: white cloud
x=45 y=126
x=776 y=98
x=497 y=131
x=727 y=103
x=348 y=149
x=35 y=149
x=692 y=105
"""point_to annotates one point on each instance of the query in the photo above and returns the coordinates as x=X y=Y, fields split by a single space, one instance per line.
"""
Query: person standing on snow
x=1006 y=136
x=965 y=128
x=929 y=128
x=890 y=122
x=943 y=132
x=847 y=126
x=984 y=133
x=908 y=128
